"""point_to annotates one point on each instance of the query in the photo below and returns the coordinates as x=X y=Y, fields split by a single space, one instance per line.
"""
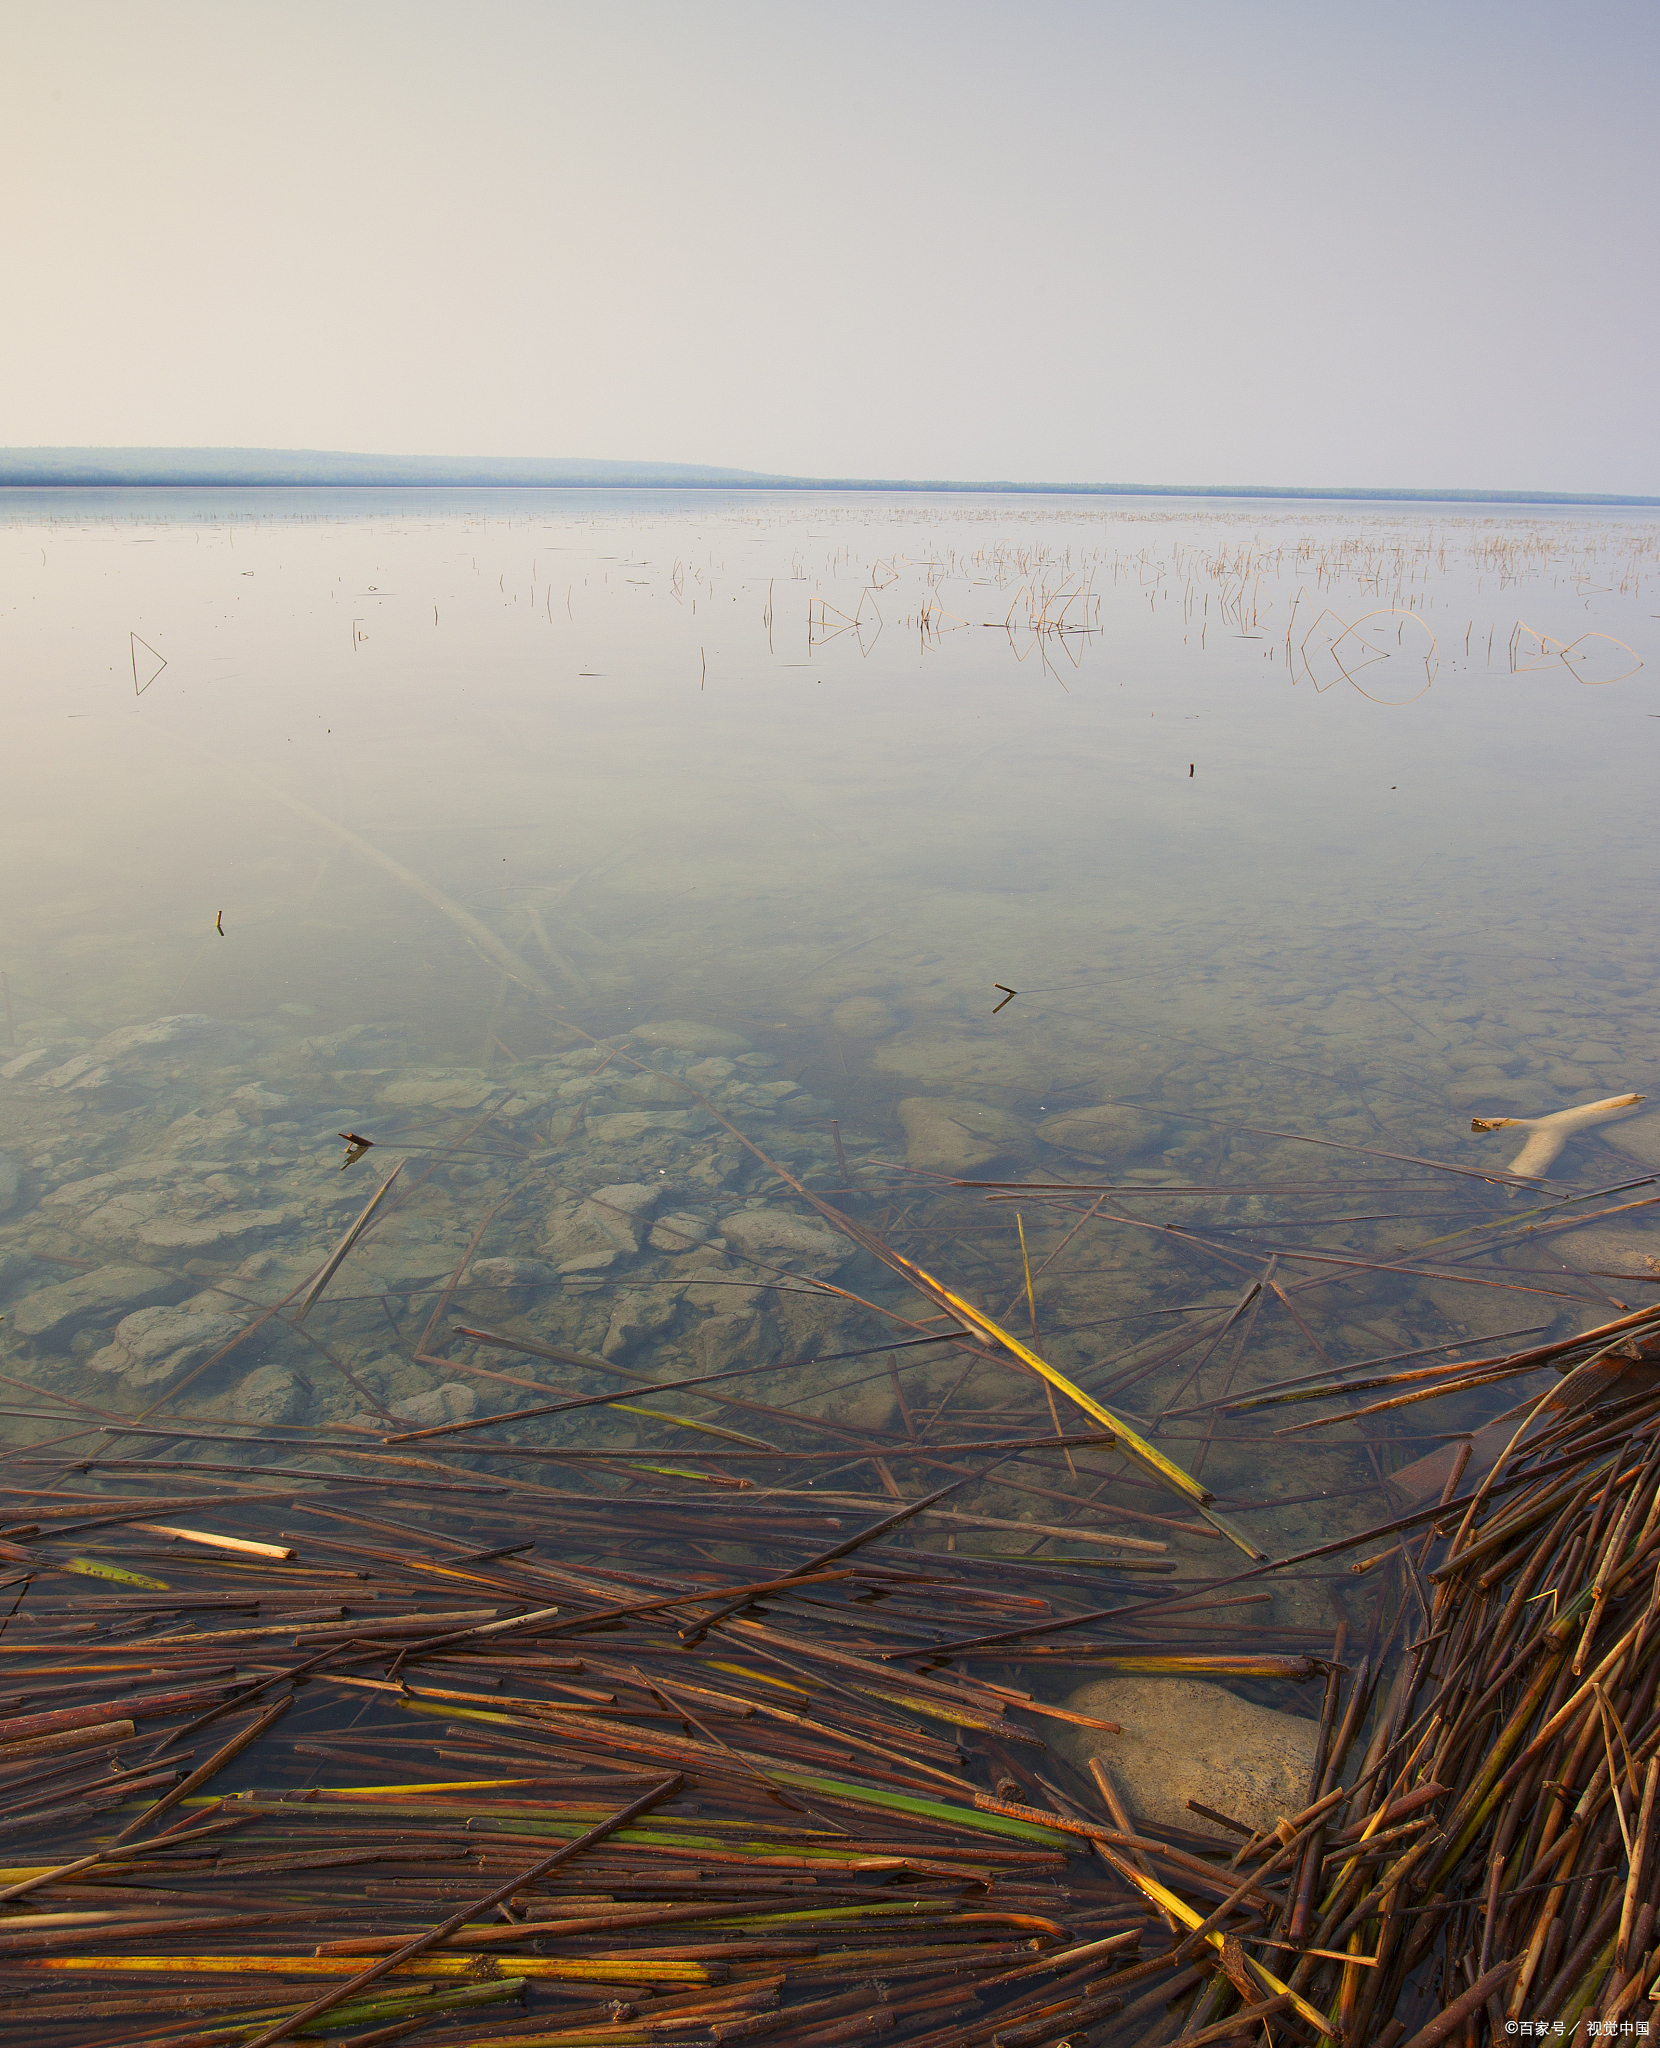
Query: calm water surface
x=375 y=812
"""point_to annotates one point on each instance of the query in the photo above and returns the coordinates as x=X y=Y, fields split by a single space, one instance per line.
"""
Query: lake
x=622 y=863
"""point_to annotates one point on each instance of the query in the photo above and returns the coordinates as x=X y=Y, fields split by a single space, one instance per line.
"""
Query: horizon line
x=136 y=468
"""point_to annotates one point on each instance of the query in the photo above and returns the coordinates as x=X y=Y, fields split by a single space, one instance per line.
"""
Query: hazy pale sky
x=1170 y=241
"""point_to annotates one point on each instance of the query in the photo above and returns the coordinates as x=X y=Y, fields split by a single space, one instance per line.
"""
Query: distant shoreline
x=304 y=468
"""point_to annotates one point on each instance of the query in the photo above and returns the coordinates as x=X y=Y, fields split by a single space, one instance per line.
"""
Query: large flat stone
x=610 y=1220
x=993 y=1062
x=1635 y=1253
x=454 y=1401
x=270 y=1395
x=394 y=1266
x=521 y=1273
x=1185 y=1738
x=139 y=1040
x=154 y=1346
x=37 y=1061
x=1108 y=1134
x=1638 y=1137
x=439 y=1091
x=780 y=1236
x=688 y=1034
x=863 y=1017
x=629 y=1127
x=682 y=1232
x=54 y=1314
x=229 y=1228
x=954 y=1134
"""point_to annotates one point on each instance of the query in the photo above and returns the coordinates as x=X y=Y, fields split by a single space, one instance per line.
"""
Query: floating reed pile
x=500 y=1763
x=283 y=1761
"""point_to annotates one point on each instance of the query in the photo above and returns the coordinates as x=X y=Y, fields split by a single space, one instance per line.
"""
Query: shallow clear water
x=1335 y=824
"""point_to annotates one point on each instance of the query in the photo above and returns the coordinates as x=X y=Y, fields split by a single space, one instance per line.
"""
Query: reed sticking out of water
x=757 y=1802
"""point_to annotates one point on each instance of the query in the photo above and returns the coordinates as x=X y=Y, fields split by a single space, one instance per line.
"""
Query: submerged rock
x=681 y=1231
x=652 y=1091
x=270 y=1395
x=523 y=1273
x=628 y=1128
x=460 y=1090
x=996 y=1061
x=637 y=1315
x=11 y=1180
x=609 y=1220
x=863 y=1017
x=155 y=1345
x=54 y=1314
x=395 y=1265
x=686 y=1034
x=953 y=1134
x=35 y=1062
x=1109 y=1134
x=1185 y=1738
x=783 y=1238
x=1632 y=1252
x=137 y=1040
x=1637 y=1137
x=452 y=1402
x=230 y=1228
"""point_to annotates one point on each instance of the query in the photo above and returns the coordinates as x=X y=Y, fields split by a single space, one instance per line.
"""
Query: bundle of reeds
x=398 y=1748
x=1528 y=1694
x=394 y=1750
x=677 y=1754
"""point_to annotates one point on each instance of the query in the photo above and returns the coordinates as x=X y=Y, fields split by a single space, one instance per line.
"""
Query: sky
x=1190 y=242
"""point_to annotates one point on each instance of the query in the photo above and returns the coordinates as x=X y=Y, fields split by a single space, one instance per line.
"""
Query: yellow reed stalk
x=1031 y=1310
x=443 y=1785
x=90 y=1568
x=733 y=1436
x=1026 y=1266
x=213 y=1542
x=1135 y=1446
x=584 y=1969
x=1163 y=1897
